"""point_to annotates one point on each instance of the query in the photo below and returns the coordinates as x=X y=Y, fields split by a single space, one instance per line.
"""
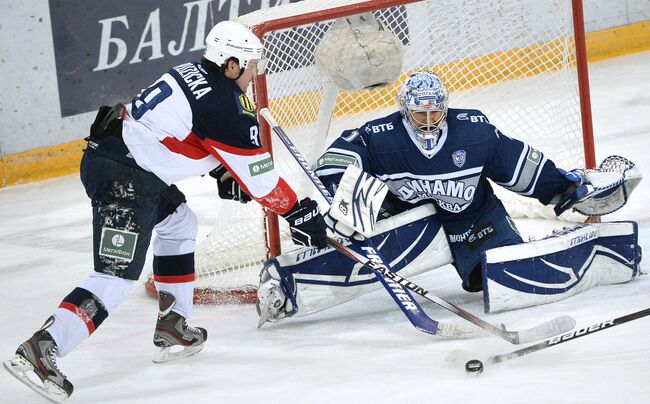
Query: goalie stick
x=373 y=261
x=461 y=356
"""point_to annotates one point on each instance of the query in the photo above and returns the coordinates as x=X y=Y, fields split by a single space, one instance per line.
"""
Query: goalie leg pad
x=412 y=242
x=560 y=265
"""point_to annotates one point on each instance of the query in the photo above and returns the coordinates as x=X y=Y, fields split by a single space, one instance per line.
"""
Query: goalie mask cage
x=521 y=62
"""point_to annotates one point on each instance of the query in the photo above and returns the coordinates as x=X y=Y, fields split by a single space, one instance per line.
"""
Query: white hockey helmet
x=424 y=91
x=230 y=39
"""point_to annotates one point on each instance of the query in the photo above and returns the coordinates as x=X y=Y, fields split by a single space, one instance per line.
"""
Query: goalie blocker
x=517 y=276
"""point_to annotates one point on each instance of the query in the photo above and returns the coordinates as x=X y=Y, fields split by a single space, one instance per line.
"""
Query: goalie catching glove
x=306 y=224
x=227 y=187
x=601 y=191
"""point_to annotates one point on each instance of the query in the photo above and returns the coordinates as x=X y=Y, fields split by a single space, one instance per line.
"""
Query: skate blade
x=266 y=314
x=166 y=355
x=20 y=368
x=263 y=320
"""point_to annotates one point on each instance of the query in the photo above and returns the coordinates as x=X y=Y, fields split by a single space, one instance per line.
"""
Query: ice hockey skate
x=34 y=364
x=276 y=294
x=270 y=302
x=173 y=336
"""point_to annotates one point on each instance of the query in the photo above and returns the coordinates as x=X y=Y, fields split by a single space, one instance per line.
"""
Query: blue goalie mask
x=423 y=102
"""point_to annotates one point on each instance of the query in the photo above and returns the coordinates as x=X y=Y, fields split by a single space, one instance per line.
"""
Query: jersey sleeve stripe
x=190 y=147
x=528 y=173
x=234 y=150
x=533 y=184
x=517 y=170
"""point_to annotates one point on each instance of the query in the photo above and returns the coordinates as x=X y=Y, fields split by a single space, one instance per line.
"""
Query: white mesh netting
x=512 y=59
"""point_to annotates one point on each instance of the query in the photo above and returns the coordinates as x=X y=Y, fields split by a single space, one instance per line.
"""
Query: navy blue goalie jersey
x=454 y=175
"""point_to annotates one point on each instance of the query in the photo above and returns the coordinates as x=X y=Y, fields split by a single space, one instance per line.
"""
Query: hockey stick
x=409 y=306
x=461 y=356
x=371 y=259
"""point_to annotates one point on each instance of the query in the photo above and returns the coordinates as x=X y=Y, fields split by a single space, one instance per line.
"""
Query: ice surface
x=361 y=352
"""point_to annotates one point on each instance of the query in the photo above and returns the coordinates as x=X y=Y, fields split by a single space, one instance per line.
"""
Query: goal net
x=515 y=60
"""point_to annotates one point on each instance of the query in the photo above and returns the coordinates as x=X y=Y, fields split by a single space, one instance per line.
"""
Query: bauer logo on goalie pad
x=118 y=244
x=343 y=207
x=260 y=167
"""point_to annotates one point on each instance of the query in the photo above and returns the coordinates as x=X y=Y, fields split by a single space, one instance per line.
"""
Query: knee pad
x=176 y=234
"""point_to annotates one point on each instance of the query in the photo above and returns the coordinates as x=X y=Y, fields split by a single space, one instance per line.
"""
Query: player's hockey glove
x=108 y=122
x=306 y=224
x=227 y=187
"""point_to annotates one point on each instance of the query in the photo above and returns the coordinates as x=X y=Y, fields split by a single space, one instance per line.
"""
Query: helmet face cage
x=424 y=91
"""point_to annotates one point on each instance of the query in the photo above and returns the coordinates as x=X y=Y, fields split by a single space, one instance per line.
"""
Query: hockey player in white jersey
x=195 y=119
x=440 y=208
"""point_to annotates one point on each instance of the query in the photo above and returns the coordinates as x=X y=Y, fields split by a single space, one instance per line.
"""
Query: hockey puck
x=474 y=367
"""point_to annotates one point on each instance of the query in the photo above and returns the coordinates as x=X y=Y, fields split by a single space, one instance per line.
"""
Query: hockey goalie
x=440 y=209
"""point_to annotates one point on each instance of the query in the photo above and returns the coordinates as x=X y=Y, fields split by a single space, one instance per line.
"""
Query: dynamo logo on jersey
x=459 y=158
x=453 y=195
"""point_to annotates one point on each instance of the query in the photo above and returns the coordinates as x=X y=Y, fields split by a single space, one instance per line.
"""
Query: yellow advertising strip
x=618 y=41
x=55 y=161
x=41 y=164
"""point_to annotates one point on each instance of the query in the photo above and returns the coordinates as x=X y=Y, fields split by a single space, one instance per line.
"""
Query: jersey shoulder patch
x=245 y=106
x=468 y=115
x=384 y=124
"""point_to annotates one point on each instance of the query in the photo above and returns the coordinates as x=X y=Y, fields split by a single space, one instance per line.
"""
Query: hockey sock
x=84 y=309
x=174 y=274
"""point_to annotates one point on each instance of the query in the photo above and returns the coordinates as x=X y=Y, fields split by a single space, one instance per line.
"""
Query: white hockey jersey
x=190 y=122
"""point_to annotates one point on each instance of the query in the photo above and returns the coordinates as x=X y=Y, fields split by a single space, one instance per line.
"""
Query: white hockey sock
x=183 y=293
x=68 y=330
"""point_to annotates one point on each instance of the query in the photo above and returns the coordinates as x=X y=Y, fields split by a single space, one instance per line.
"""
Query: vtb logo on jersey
x=459 y=158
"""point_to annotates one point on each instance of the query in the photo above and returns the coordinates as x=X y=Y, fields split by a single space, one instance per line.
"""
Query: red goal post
x=310 y=16
x=522 y=62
